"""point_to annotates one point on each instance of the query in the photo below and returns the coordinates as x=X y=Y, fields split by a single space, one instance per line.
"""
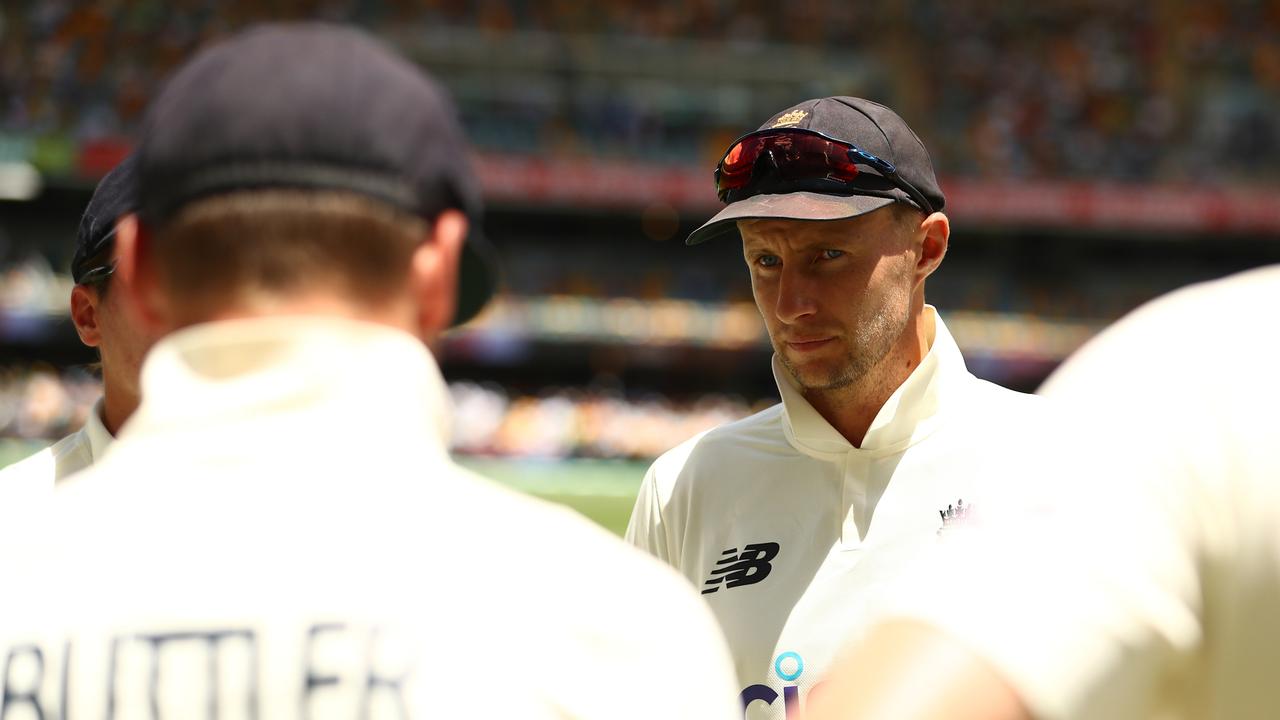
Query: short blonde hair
x=286 y=242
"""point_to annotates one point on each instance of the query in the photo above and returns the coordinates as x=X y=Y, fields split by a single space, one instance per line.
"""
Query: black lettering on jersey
x=113 y=666
x=374 y=681
x=63 y=693
x=313 y=681
x=736 y=569
x=212 y=639
x=15 y=697
x=379 y=681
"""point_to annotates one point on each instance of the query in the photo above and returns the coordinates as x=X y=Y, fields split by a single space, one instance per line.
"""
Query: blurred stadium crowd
x=1170 y=91
x=582 y=423
x=31 y=283
x=37 y=403
x=31 y=287
x=1175 y=90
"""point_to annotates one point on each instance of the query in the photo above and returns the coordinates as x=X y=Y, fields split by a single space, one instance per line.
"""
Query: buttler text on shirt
x=332 y=670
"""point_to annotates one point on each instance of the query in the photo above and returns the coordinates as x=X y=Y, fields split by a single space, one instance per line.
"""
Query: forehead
x=806 y=232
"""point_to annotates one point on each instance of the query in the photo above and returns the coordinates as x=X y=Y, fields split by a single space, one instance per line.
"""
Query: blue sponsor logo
x=794 y=660
x=788 y=666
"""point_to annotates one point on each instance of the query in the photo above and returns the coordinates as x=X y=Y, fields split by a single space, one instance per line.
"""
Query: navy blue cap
x=867 y=125
x=313 y=106
x=115 y=196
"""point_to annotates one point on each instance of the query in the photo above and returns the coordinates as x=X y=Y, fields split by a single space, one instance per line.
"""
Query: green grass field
x=11 y=450
x=603 y=490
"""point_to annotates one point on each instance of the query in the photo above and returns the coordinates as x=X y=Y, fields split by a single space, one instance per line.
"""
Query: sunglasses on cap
x=802 y=160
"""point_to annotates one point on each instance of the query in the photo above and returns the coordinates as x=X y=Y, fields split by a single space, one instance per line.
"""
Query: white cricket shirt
x=37 y=474
x=790 y=532
x=280 y=533
x=1149 y=587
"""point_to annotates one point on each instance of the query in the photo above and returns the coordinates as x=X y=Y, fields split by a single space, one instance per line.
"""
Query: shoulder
x=990 y=396
x=29 y=475
x=1191 y=330
x=614 y=613
x=1009 y=429
x=46 y=467
x=762 y=431
x=579 y=559
x=534 y=525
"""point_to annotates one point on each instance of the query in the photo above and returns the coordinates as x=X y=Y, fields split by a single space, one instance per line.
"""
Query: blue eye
x=769 y=261
x=831 y=254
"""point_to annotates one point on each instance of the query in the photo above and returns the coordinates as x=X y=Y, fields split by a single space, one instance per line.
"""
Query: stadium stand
x=1095 y=154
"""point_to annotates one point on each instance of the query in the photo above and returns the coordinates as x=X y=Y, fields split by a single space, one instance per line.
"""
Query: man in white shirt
x=103 y=322
x=791 y=521
x=1149 y=586
x=279 y=531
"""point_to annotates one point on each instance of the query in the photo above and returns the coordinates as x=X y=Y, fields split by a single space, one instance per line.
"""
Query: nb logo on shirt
x=749 y=567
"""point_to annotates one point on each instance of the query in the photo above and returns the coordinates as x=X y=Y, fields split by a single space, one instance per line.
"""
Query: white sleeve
x=647 y=530
x=28 y=480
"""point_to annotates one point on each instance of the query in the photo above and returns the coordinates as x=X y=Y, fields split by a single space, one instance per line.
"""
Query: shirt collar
x=97 y=434
x=908 y=416
x=297 y=371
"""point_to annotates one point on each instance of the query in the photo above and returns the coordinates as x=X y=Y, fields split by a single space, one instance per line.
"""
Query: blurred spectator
x=37 y=403
x=31 y=287
x=577 y=423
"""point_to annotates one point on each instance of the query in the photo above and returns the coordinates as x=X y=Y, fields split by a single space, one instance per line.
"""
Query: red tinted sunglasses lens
x=796 y=156
x=735 y=169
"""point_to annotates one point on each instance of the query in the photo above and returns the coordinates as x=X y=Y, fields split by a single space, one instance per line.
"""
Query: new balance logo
x=749 y=567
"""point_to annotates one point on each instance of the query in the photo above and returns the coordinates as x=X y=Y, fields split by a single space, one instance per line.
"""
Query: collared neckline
x=907 y=417
x=224 y=372
x=96 y=432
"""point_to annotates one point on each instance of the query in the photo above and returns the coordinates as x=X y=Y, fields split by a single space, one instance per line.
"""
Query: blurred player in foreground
x=1150 y=585
x=103 y=322
x=279 y=531
x=791 y=521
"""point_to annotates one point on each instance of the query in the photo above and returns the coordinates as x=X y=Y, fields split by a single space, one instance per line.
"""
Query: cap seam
x=874 y=124
x=889 y=142
x=909 y=129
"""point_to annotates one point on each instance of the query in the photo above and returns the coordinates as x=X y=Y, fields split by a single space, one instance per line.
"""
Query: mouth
x=803 y=345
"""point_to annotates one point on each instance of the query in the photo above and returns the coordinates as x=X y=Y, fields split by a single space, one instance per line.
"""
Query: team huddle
x=229 y=536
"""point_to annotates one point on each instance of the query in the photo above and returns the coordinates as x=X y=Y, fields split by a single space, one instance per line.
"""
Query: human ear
x=935 y=232
x=434 y=272
x=84 y=314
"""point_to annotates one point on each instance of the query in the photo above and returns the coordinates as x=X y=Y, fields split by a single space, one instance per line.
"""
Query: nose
x=795 y=296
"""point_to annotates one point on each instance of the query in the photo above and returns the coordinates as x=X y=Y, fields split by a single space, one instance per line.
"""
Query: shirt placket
x=853 y=497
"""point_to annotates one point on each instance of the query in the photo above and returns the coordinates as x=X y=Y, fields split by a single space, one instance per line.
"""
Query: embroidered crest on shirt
x=955 y=516
x=748 y=567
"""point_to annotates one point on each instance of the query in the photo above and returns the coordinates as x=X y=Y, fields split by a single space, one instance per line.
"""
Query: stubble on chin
x=845 y=374
x=873 y=343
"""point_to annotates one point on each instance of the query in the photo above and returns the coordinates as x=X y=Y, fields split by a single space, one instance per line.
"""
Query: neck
x=117 y=406
x=397 y=314
x=852 y=409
